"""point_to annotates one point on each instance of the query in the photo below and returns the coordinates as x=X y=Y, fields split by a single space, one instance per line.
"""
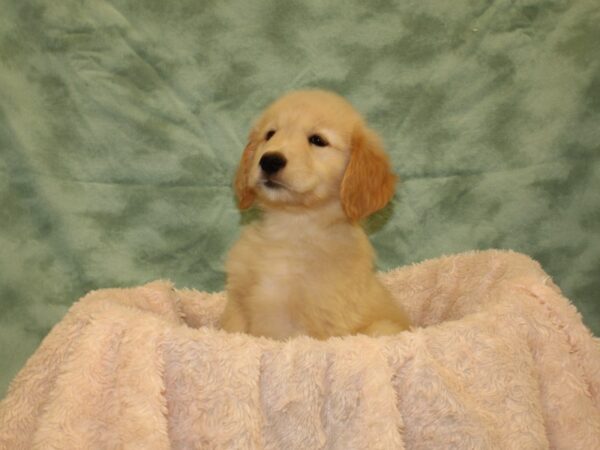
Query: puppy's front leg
x=233 y=319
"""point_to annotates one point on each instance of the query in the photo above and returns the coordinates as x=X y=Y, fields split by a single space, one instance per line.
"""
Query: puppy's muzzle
x=272 y=162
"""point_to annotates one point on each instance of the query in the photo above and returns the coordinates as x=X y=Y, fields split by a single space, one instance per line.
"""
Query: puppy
x=306 y=267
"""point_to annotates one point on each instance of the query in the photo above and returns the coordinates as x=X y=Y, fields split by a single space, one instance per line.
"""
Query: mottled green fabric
x=121 y=123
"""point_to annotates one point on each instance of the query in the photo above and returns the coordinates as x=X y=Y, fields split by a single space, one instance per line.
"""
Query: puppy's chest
x=282 y=275
x=273 y=287
x=278 y=271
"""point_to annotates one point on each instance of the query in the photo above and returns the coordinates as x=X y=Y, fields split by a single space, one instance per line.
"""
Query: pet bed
x=497 y=359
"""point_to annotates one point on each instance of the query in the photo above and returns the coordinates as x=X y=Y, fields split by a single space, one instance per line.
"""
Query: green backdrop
x=121 y=123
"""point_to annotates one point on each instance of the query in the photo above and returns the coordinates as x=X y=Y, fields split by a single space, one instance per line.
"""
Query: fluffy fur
x=501 y=360
x=306 y=268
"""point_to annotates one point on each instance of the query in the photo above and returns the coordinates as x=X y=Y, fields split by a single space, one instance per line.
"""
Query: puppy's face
x=310 y=148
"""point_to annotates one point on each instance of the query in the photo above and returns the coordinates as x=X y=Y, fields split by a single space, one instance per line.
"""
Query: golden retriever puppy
x=306 y=267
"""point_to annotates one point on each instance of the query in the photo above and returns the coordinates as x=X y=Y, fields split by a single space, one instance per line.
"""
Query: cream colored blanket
x=498 y=359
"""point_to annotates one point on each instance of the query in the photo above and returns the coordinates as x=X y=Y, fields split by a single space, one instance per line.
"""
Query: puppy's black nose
x=272 y=162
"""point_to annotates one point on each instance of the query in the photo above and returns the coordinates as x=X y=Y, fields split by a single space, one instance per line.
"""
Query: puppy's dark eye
x=317 y=140
x=269 y=134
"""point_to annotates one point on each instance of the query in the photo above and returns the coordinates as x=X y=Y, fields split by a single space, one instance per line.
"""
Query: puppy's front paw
x=383 y=328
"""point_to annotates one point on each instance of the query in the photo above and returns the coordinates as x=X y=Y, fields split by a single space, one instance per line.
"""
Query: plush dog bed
x=497 y=359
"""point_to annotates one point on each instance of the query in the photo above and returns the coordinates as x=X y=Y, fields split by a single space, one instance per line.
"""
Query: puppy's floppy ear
x=368 y=183
x=244 y=192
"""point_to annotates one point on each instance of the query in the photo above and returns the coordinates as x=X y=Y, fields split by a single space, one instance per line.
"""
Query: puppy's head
x=310 y=148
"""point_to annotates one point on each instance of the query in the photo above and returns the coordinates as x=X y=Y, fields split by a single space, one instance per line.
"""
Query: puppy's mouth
x=273 y=184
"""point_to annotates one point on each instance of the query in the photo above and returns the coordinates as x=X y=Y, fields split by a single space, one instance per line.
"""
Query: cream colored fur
x=498 y=359
x=306 y=268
